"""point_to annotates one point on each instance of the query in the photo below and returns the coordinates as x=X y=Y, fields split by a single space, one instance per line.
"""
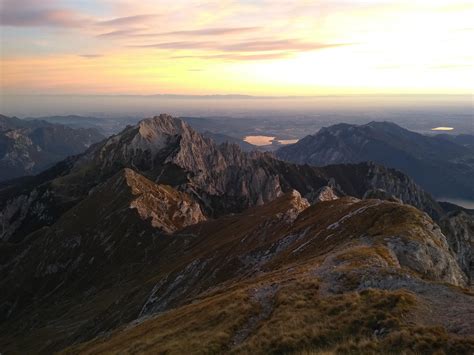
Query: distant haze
x=416 y=112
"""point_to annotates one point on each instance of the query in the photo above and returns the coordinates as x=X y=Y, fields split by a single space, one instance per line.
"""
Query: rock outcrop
x=333 y=253
x=325 y=193
x=168 y=209
x=458 y=226
x=221 y=178
x=157 y=239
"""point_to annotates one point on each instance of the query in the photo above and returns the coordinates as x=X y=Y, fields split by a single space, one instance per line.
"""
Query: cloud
x=138 y=33
x=29 y=13
x=211 y=31
x=51 y=13
x=118 y=33
x=180 y=45
x=128 y=20
x=90 y=56
x=452 y=66
x=238 y=57
x=284 y=44
x=291 y=45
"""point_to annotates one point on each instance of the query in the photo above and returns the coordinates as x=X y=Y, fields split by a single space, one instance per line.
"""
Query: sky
x=261 y=47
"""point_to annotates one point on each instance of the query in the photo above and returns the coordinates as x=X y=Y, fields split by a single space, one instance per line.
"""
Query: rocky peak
x=162 y=123
x=222 y=179
x=325 y=193
x=153 y=133
x=297 y=202
x=165 y=207
x=286 y=207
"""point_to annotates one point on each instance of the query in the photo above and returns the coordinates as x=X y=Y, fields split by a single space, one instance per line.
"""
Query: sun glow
x=297 y=48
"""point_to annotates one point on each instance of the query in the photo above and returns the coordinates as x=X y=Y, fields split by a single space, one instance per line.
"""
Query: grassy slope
x=302 y=319
x=292 y=305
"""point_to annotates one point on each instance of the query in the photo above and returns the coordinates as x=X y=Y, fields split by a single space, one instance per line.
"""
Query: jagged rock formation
x=168 y=209
x=325 y=193
x=442 y=167
x=29 y=147
x=117 y=221
x=357 y=179
x=222 y=179
x=159 y=239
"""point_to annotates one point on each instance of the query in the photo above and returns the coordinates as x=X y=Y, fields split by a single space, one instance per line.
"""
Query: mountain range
x=158 y=239
x=29 y=147
x=443 y=165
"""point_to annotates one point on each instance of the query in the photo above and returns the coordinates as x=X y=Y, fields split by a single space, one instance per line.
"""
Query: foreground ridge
x=345 y=282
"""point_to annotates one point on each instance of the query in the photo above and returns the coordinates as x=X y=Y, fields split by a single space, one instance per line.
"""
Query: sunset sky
x=262 y=47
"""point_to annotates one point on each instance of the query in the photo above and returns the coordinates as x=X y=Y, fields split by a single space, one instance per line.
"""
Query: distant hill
x=442 y=165
x=466 y=140
x=29 y=147
x=106 y=126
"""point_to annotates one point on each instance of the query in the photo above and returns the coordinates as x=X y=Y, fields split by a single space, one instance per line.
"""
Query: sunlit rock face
x=325 y=193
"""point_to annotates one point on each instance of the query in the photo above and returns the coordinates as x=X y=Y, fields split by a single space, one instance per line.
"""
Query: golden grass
x=302 y=321
x=206 y=327
x=367 y=256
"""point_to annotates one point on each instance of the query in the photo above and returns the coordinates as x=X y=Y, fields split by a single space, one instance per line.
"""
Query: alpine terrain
x=441 y=164
x=29 y=147
x=159 y=240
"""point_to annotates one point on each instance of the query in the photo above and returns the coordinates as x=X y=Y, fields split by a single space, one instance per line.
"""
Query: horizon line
x=246 y=96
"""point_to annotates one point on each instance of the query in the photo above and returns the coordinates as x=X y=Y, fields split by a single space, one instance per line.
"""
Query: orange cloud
x=30 y=13
x=289 y=47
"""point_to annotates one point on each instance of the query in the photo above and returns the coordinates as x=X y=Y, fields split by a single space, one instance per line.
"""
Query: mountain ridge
x=440 y=166
x=347 y=247
x=223 y=179
x=30 y=147
x=216 y=250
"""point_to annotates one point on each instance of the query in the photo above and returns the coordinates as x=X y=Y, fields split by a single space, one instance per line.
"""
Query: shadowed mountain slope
x=340 y=271
x=158 y=239
x=443 y=167
x=334 y=250
x=221 y=178
x=29 y=147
